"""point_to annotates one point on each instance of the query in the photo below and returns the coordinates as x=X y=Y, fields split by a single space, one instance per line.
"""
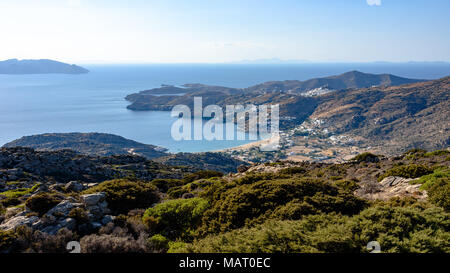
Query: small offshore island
x=43 y=66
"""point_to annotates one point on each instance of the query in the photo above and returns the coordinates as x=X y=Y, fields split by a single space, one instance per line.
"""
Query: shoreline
x=248 y=146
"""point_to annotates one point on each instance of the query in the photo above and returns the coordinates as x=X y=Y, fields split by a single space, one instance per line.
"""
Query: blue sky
x=143 y=31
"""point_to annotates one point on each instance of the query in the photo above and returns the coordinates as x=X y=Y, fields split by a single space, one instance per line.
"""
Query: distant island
x=17 y=67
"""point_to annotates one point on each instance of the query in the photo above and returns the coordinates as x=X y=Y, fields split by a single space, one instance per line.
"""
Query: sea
x=94 y=102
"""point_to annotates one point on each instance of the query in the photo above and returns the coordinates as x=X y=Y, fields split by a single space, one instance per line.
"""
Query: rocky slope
x=42 y=208
x=286 y=92
x=203 y=161
x=393 y=118
x=15 y=66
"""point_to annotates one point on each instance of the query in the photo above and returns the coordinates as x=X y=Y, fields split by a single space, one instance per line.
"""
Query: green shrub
x=8 y=202
x=400 y=229
x=438 y=186
x=348 y=185
x=407 y=171
x=16 y=193
x=201 y=174
x=414 y=153
x=234 y=206
x=293 y=170
x=439 y=194
x=366 y=157
x=79 y=214
x=176 y=218
x=124 y=195
x=177 y=192
x=42 y=202
x=2 y=209
x=397 y=229
x=7 y=241
x=159 y=243
x=165 y=184
x=437 y=153
x=429 y=180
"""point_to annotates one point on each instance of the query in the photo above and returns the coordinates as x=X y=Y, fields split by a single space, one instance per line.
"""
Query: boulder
x=107 y=219
x=393 y=186
x=68 y=223
x=74 y=186
x=57 y=187
x=51 y=229
x=18 y=221
x=63 y=208
x=93 y=199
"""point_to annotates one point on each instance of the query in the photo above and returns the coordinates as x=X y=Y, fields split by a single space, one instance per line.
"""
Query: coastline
x=258 y=143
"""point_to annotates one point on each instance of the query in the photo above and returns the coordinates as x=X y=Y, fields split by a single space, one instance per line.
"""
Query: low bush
x=201 y=174
x=407 y=171
x=2 y=209
x=177 y=192
x=437 y=153
x=7 y=240
x=293 y=170
x=124 y=195
x=414 y=153
x=176 y=218
x=397 y=229
x=8 y=202
x=16 y=193
x=28 y=240
x=113 y=243
x=159 y=243
x=429 y=180
x=234 y=206
x=366 y=157
x=348 y=185
x=439 y=194
x=79 y=214
x=165 y=184
x=437 y=185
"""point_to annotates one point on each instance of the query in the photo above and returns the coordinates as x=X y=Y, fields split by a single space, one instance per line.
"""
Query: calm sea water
x=94 y=102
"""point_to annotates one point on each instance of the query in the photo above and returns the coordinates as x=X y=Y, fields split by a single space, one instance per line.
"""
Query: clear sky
x=143 y=31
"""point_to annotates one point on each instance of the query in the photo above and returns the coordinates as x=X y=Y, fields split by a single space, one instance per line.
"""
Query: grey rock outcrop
x=394 y=186
x=18 y=221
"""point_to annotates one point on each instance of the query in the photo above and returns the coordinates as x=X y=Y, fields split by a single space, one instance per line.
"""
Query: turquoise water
x=94 y=102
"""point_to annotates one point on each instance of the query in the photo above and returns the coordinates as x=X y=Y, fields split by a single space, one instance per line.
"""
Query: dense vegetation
x=397 y=229
x=273 y=207
x=124 y=195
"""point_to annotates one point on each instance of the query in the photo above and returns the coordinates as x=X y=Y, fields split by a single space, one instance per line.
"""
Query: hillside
x=127 y=204
x=203 y=161
x=271 y=92
x=394 y=118
x=15 y=66
x=96 y=144
x=349 y=80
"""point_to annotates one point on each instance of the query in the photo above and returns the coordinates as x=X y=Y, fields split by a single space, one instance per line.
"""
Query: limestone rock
x=74 y=186
x=393 y=186
x=18 y=221
x=93 y=199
